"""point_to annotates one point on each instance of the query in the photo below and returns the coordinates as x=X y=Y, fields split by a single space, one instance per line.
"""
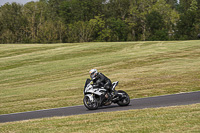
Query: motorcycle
x=98 y=97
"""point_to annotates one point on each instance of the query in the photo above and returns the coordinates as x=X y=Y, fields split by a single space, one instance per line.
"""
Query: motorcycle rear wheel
x=124 y=101
x=90 y=105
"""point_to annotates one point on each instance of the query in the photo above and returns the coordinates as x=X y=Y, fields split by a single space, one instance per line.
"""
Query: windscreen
x=87 y=82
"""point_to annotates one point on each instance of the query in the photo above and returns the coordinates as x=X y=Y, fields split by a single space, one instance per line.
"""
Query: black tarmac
x=140 y=103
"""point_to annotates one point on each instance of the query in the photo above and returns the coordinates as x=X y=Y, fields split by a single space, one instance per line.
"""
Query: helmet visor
x=92 y=75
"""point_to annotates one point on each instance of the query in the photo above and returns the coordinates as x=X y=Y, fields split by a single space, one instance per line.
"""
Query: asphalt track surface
x=140 y=103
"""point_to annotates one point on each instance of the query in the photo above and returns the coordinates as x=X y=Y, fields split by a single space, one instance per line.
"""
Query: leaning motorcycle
x=95 y=97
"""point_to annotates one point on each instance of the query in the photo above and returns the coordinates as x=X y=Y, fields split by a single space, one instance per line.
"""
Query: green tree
x=154 y=21
x=139 y=26
x=80 y=31
x=117 y=9
x=13 y=23
x=156 y=26
x=80 y=10
x=118 y=28
x=51 y=32
x=172 y=3
x=36 y=14
x=188 y=26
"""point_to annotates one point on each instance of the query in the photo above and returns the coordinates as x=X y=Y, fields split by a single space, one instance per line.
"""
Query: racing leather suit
x=102 y=81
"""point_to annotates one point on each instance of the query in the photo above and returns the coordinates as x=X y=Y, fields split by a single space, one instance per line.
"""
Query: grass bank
x=180 y=119
x=41 y=76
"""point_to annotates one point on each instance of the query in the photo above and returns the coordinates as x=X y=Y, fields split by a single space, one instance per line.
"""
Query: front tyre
x=124 y=98
x=89 y=104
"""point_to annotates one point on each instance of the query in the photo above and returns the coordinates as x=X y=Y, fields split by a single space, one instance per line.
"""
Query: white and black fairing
x=94 y=93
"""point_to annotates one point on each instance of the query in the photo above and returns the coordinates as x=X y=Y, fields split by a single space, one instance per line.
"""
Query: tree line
x=60 y=21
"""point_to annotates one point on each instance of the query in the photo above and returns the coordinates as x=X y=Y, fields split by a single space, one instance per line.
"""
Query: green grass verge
x=180 y=119
x=41 y=76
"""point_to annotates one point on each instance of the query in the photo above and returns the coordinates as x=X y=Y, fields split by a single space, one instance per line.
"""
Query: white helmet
x=93 y=73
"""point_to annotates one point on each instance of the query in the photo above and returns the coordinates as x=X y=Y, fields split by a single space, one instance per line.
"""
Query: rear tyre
x=124 y=98
x=89 y=104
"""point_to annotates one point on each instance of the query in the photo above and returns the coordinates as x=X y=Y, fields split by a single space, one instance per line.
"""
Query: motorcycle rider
x=100 y=80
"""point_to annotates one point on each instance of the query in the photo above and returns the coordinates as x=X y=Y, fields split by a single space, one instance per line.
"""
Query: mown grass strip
x=42 y=76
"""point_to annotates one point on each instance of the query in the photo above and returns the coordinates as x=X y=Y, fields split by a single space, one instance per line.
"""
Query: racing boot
x=108 y=99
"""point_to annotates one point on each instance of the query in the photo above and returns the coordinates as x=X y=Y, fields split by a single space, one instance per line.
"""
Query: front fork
x=91 y=97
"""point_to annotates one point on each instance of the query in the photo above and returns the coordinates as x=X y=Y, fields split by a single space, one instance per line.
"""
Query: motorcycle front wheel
x=89 y=104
